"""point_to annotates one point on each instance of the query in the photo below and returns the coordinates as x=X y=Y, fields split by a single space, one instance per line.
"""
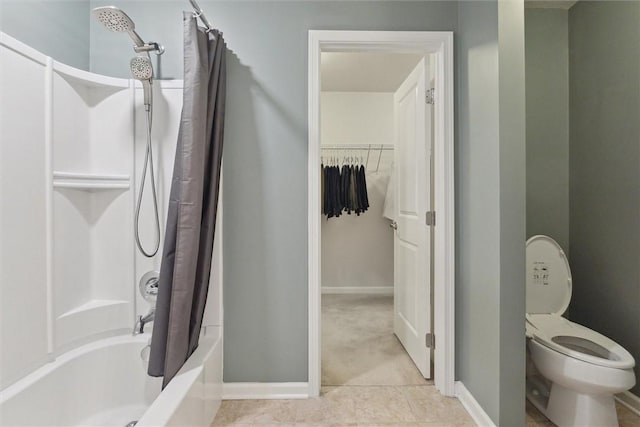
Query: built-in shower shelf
x=90 y=182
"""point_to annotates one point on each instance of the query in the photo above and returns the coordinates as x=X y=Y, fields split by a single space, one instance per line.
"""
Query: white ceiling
x=365 y=71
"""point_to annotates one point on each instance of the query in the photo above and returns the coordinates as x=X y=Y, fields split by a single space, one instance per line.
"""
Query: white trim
x=439 y=43
x=262 y=391
x=444 y=231
x=313 y=209
x=472 y=406
x=629 y=400
x=369 y=290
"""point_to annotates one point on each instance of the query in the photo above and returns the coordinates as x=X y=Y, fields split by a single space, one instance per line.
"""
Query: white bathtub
x=105 y=384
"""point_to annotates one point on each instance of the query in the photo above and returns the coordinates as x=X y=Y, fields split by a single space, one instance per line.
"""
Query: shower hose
x=148 y=162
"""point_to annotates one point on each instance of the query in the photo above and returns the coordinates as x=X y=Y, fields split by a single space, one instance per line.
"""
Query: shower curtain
x=188 y=245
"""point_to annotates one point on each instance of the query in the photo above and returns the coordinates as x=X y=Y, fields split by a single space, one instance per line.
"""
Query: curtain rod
x=200 y=14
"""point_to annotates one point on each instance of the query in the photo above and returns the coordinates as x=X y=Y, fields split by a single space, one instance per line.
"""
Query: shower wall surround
x=23 y=276
x=67 y=266
x=70 y=148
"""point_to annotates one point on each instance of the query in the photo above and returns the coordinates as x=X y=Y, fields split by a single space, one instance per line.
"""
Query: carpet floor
x=359 y=346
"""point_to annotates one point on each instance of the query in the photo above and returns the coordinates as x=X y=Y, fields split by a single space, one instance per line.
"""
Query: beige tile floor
x=368 y=380
x=350 y=406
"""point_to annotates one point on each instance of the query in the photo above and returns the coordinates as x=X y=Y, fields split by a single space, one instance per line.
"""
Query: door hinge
x=430 y=218
x=430 y=340
x=430 y=98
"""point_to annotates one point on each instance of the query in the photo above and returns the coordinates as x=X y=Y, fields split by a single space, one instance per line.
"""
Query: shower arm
x=150 y=47
x=140 y=46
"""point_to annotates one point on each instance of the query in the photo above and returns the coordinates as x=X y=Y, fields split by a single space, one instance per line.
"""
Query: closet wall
x=357 y=251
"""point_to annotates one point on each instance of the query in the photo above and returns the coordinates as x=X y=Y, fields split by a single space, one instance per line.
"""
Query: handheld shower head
x=117 y=21
x=142 y=69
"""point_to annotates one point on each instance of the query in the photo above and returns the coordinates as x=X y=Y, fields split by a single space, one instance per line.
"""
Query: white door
x=412 y=251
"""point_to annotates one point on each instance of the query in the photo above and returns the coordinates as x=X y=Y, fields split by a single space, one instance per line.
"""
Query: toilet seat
x=549 y=289
x=559 y=334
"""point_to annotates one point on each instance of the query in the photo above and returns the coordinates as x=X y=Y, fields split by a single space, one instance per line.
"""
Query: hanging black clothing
x=333 y=198
x=362 y=189
x=353 y=191
x=343 y=189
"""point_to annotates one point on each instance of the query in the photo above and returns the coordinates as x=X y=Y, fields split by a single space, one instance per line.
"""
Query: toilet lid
x=548 y=277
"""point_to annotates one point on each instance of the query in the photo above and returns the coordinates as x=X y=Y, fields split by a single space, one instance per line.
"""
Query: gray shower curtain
x=188 y=245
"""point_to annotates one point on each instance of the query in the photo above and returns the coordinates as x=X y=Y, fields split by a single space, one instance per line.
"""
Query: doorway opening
x=381 y=104
x=376 y=144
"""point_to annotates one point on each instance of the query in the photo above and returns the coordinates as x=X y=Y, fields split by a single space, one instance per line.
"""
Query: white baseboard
x=472 y=406
x=243 y=391
x=372 y=290
x=629 y=400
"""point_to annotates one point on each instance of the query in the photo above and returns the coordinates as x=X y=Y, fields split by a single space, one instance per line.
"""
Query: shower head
x=142 y=69
x=117 y=21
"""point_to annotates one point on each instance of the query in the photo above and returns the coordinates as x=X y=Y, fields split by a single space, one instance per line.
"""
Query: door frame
x=440 y=44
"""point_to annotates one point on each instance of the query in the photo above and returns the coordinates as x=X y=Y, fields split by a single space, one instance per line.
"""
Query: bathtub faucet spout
x=143 y=320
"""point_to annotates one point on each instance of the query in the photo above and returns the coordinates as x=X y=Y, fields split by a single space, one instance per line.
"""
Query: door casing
x=440 y=45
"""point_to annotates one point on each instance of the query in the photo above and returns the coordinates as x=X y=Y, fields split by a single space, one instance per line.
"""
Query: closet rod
x=343 y=147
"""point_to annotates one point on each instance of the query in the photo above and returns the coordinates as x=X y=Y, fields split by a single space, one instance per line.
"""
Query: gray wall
x=547 y=77
x=605 y=169
x=478 y=221
x=265 y=176
x=490 y=158
x=512 y=211
x=57 y=28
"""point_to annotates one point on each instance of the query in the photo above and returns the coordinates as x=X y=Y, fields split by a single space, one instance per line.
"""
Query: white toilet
x=573 y=372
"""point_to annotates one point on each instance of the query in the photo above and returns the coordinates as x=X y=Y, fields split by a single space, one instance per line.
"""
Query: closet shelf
x=90 y=182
